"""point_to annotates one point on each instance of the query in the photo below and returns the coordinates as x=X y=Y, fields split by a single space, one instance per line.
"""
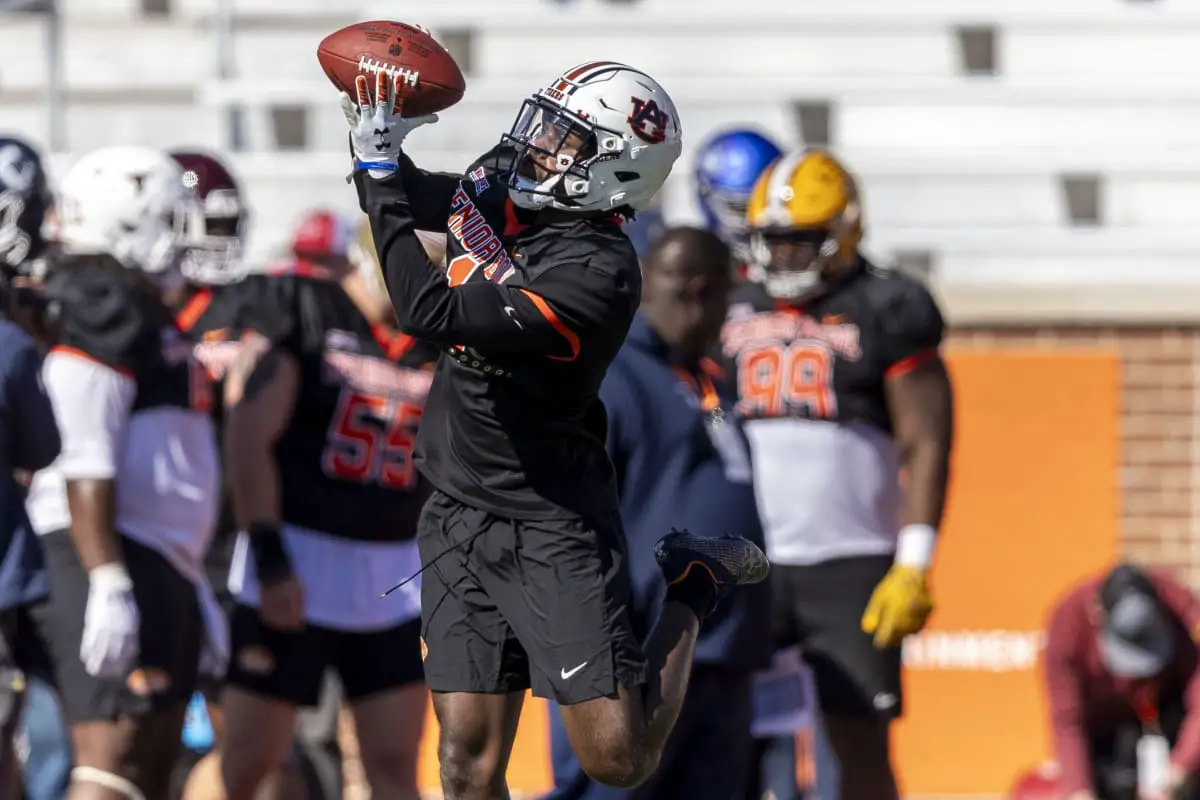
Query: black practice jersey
x=827 y=359
x=212 y=320
x=346 y=461
x=530 y=311
x=115 y=316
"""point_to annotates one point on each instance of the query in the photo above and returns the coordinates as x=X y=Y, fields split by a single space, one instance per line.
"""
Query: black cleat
x=729 y=560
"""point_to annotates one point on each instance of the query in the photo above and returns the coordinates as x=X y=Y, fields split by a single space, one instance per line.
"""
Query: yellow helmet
x=805 y=222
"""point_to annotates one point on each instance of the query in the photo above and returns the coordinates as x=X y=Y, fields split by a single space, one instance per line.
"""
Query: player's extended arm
x=491 y=317
x=1065 y=697
x=260 y=395
x=431 y=193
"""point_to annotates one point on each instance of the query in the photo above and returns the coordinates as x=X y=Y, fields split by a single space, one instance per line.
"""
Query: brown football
x=431 y=80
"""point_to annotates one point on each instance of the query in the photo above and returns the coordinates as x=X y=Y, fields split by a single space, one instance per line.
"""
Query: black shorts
x=171 y=633
x=290 y=666
x=511 y=604
x=820 y=607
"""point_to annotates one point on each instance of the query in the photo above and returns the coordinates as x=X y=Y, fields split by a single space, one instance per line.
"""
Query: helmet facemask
x=790 y=264
x=217 y=228
x=555 y=149
x=729 y=210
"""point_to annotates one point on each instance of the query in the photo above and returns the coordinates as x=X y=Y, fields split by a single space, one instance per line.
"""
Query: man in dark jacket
x=682 y=461
x=29 y=437
x=28 y=442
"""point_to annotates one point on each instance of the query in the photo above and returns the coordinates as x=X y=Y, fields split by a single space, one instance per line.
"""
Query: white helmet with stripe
x=131 y=203
x=601 y=137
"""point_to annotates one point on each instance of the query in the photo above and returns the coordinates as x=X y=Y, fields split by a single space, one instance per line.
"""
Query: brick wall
x=1160 y=470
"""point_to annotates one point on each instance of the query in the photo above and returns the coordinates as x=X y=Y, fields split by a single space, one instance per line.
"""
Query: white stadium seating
x=1072 y=155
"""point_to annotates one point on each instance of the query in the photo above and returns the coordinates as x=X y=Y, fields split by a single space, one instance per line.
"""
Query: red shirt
x=1085 y=698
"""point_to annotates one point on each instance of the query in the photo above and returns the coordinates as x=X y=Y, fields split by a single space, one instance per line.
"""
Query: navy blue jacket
x=670 y=473
x=29 y=441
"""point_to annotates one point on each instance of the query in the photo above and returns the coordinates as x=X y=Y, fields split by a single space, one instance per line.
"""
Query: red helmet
x=221 y=217
x=1039 y=783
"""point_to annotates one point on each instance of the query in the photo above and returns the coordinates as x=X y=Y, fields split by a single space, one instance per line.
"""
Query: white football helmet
x=128 y=202
x=601 y=136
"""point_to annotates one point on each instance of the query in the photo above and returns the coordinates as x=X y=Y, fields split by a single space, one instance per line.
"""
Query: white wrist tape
x=914 y=545
x=112 y=575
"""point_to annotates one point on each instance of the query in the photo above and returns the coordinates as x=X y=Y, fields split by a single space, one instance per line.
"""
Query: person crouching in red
x=1124 y=688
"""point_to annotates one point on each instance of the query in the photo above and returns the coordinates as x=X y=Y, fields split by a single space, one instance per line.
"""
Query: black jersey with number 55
x=346 y=460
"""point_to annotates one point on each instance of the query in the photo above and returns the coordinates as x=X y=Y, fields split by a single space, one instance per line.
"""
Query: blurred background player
x=29 y=441
x=681 y=459
x=27 y=213
x=212 y=317
x=127 y=510
x=725 y=169
x=841 y=385
x=1123 y=684
x=319 y=427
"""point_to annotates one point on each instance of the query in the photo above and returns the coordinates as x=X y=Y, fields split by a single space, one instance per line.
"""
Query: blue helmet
x=24 y=199
x=725 y=171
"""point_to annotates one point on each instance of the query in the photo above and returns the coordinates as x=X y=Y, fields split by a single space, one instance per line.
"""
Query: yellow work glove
x=899 y=606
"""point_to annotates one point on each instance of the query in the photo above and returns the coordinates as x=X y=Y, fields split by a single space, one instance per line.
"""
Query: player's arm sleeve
x=91 y=404
x=1064 y=691
x=1180 y=601
x=34 y=435
x=547 y=317
x=430 y=194
x=912 y=329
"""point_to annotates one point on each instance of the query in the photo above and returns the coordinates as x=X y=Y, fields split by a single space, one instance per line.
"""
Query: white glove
x=110 y=625
x=376 y=128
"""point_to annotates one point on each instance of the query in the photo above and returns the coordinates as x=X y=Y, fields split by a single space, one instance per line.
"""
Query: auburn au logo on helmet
x=648 y=121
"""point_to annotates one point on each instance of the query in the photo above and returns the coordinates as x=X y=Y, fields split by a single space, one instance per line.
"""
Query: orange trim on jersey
x=72 y=351
x=712 y=368
x=907 y=365
x=193 y=309
x=394 y=343
x=702 y=386
x=546 y=311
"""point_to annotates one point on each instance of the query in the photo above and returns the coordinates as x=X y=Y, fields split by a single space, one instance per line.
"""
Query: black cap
x=1136 y=640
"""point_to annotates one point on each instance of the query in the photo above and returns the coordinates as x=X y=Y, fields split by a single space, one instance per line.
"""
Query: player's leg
x=708 y=754
x=858 y=685
x=317 y=745
x=564 y=587
x=474 y=666
x=44 y=738
x=271 y=674
x=125 y=734
x=385 y=687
